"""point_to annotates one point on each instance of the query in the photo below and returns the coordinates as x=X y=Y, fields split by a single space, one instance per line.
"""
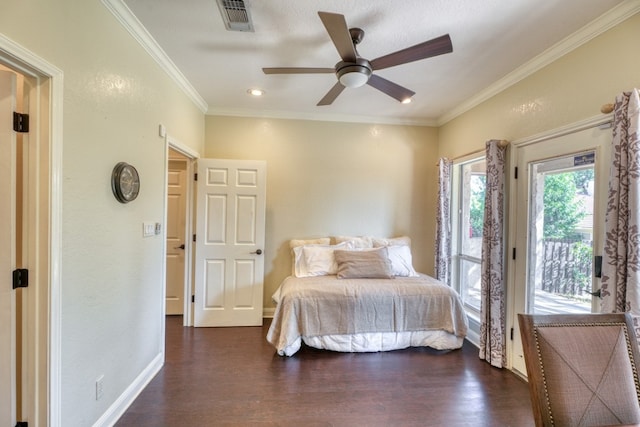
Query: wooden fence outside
x=567 y=266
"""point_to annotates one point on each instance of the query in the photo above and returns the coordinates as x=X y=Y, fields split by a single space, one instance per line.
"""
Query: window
x=469 y=182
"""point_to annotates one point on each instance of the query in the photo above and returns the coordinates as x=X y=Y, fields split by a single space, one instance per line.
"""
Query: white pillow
x=299 y=268
x=358 y=242
x=301 y=242
x=316 y=260
x=317 y=241
x=395 y=241
x=401 y=261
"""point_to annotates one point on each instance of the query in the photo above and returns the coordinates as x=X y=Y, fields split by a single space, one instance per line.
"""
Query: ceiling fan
x=354 y=71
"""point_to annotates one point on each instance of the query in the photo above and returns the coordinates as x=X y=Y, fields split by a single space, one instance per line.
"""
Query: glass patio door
x=560 y=228
x=559 y=221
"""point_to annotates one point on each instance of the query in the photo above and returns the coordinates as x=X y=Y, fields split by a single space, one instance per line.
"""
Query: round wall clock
x=125 y=182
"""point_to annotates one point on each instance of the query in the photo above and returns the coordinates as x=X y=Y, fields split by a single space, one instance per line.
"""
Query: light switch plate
x=148 y=229
x=99 y=387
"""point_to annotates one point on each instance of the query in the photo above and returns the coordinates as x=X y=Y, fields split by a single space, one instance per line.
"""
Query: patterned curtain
x=492 y=287
x=443 y=222
x=621 y=261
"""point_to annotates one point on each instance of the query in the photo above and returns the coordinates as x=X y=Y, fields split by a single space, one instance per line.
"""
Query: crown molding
x=596 y=27
x=322 y=118
x=129 y=21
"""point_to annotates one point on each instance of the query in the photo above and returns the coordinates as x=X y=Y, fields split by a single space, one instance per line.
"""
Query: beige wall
x=115 y=96
x=569 y=90
x=327 y=178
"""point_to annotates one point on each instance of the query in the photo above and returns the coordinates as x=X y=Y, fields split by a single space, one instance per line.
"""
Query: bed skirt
x=377 y=341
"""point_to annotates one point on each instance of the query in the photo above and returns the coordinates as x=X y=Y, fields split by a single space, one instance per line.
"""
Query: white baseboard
x=267 y=313
x=115 y=411
x=473 y=338
x=473 y=333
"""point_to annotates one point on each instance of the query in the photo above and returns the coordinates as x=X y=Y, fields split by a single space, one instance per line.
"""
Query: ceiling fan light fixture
x=354 y=79
x=353 y=75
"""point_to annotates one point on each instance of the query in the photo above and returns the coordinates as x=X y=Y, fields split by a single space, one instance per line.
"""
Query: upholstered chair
x=582 y=369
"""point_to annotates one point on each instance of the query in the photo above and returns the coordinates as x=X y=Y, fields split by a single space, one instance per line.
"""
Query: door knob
x=179 y=247
x=258 y=252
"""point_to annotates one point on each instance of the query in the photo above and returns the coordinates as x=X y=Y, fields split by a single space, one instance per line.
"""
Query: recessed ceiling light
x=406 y=101
x=255 y=92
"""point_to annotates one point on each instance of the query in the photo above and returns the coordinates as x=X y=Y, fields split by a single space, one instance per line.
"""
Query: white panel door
x=7 y=250
x=230 y=242
x=177 y=182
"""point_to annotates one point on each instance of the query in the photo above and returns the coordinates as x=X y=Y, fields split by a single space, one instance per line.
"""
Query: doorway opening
x=179 y=225
x=176 y=231
x=37 y=211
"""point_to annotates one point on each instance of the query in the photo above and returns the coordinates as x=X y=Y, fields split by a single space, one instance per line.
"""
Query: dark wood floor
x=233 y=377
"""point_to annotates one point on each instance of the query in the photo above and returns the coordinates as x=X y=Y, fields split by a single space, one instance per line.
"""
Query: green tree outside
x=562 y=211
x=478 y=185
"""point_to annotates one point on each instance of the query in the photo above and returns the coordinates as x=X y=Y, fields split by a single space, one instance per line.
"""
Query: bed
x=349 y=296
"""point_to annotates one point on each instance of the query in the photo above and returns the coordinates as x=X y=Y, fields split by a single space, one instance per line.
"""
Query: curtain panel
x=492 y=286
x=620 y=287
x=443 y=222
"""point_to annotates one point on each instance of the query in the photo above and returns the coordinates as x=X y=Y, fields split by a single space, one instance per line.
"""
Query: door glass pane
x=561 y=235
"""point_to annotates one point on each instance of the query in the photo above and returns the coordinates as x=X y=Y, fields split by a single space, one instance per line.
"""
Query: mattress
x=364 y=315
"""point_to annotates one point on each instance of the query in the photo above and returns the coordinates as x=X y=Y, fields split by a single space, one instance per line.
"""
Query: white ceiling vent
x=235 y=15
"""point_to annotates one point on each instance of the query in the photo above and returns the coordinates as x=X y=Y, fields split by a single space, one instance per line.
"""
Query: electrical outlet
x=99 y=387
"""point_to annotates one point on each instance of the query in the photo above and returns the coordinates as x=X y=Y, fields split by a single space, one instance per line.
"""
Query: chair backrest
x=582 y=368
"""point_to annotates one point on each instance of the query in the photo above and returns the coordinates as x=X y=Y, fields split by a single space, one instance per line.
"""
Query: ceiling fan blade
x=332 y=94
x=339 y=32
x=433 y=47
x=297 y=70
x=393 y=90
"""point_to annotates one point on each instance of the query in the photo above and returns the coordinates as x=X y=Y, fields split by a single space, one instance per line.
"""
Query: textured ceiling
x=491 y=38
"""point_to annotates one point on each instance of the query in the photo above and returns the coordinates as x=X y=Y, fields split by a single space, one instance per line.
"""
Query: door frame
x=11 y=357
x=44 y=229
x=192 y=155
x=602 y=121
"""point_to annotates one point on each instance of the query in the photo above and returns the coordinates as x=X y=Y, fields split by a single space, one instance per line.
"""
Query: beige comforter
x=326 y=305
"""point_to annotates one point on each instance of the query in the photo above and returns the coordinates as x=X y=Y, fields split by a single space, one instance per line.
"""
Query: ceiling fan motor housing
x=357 y=34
